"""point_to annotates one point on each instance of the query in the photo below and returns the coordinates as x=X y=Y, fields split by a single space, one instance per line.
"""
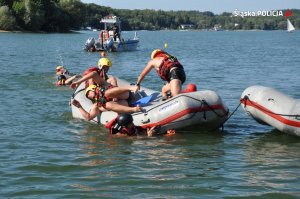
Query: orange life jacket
x=168 y=62
x=100 y=98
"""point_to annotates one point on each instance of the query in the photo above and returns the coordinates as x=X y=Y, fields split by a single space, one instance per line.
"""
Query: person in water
x=109 y=98
x=63 y=76
x=168 y=69
x=123 y=125
x=97 y=75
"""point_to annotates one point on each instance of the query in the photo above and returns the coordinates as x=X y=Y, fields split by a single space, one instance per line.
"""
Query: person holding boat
x=108 y=98
x=168 y=69
x=63 y=76
x=97 y=75
x=123 y=125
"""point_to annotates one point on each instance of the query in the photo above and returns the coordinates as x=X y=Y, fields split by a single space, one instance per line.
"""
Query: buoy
x=190 y=88
x=166 y=45
x=103 y=53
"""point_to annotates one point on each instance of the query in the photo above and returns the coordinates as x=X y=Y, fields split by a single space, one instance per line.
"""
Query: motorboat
x=110 y=38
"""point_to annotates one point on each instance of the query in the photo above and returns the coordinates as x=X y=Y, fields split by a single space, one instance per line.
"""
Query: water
x=45 y=153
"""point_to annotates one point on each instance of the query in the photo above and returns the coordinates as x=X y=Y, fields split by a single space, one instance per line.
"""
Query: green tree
x=7 y=20
x=76 y=11
x=34 y=16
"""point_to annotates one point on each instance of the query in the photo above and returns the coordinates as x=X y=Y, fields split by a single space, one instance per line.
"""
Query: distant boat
x=290 y=27
x=109 y=40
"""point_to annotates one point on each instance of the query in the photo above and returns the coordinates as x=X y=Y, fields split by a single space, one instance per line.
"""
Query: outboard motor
x=89 y=43
x=109 y=43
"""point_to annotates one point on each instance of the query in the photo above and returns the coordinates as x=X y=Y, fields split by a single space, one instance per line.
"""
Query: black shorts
x=177 y=73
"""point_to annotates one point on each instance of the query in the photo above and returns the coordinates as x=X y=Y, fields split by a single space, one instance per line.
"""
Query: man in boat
x=63 y=76
x=168 y=68
x=108 y=98
x=98 y=75
x=116 y=32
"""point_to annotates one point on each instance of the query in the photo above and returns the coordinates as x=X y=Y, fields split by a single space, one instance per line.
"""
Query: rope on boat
x=222 y=125
x=246 y=98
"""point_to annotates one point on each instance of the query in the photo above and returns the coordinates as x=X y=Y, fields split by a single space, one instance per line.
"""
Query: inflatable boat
x=271 y=107
x=193 y=109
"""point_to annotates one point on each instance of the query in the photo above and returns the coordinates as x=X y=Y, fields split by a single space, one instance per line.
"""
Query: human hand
x=74 y=85
x=151 y=131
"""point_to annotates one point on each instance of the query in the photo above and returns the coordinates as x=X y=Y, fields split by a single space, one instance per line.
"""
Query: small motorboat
x=110 y=38
x=270 y=107
x=200 y=109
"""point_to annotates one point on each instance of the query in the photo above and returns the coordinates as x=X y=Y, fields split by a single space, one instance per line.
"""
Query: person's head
x=59 y=70
x=156 y=52
x=124 y=124
x=61 y=80
x=90 y=92
x=124 y=119
x=104 y=63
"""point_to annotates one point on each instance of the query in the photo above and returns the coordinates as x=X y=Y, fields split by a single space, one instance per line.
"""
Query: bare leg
x=116 y=107
x=165 y=89
x=113 y=81
x=119 y=92
x=175 y=86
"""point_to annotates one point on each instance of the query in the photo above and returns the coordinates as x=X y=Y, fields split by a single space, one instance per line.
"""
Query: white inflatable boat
x=271 y=107
x=194 y=109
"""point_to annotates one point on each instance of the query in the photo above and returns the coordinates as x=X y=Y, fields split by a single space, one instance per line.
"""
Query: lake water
x=45 y=153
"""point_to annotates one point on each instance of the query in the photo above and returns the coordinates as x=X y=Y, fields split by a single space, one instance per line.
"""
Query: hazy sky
x=216 y=6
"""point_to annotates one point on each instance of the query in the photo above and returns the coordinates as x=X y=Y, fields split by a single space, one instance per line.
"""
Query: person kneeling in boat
x=115 y=99
x=123 y=126
x=63 y=76
x=168 y=68
x=98 y=75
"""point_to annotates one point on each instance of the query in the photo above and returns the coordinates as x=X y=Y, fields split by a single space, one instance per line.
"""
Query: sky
x=215 y=6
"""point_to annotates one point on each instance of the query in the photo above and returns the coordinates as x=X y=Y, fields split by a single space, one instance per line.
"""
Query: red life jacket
x=168 y=62
x=60 y=83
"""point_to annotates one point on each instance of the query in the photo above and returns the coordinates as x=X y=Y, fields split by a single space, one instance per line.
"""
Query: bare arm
x=88 y=116
x=146 y=70
x=84 y=78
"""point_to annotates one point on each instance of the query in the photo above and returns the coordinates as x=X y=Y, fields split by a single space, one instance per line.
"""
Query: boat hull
x=200 y=109
x=271 y=107
x=113 y=46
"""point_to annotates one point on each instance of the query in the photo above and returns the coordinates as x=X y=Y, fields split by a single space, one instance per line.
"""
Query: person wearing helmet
x=123 y=125
x=63 y=76
x=168 y=69
x=107 y=99
x=98 y=75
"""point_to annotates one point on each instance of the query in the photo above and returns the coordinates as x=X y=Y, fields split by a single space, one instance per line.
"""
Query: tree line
x=66 y=15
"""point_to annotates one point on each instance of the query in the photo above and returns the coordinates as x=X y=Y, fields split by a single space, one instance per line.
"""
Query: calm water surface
x=45 y=153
